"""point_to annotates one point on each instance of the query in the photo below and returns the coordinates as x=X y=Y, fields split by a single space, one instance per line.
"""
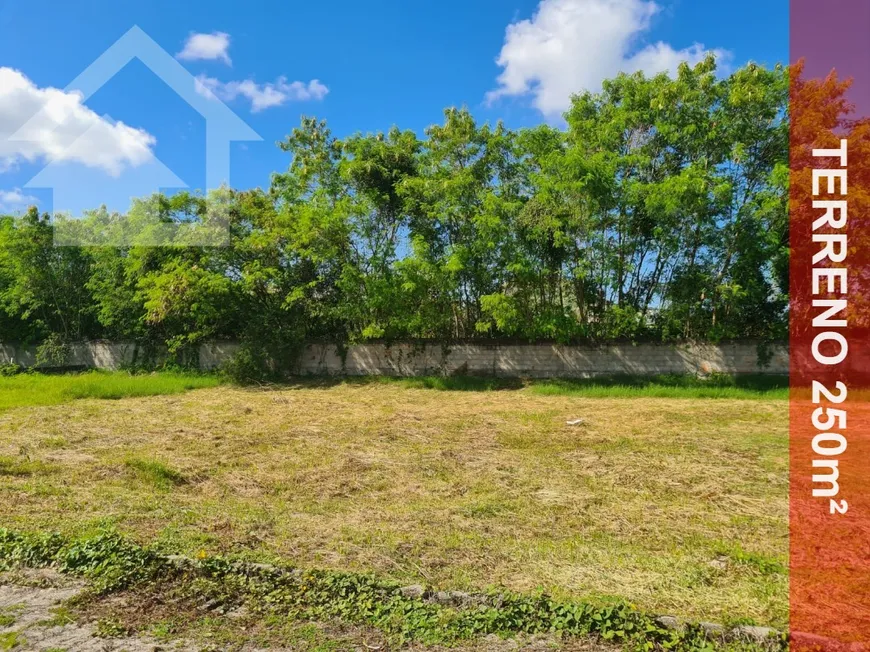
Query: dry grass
x=679 y=506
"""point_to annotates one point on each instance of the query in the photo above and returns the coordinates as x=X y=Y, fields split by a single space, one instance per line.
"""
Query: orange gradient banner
x=830 y=324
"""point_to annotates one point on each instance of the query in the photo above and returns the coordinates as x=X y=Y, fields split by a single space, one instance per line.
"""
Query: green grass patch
x=761 y=563
x=20 y=466
x=32 y=389
x=60 y=616
x=155 y=473
x=11 y=640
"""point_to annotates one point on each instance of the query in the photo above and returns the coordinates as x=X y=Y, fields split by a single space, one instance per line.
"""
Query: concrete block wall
x=117 y=355
x=418 y=359
x=540 y=360
x=95 y=355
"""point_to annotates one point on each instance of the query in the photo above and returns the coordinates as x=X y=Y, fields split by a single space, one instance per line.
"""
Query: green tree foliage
x=43 y=289
x=658 y=211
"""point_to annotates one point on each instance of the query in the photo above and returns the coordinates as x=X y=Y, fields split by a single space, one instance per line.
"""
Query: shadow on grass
x=750 y=382
x=440 y=383
x=747 y=386
x=721 y=385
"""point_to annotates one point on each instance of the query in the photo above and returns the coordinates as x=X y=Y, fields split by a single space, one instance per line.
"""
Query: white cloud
x=54 y=125
x=207 y=47
x=262 y=96
x=15 y=199
x=573 y=45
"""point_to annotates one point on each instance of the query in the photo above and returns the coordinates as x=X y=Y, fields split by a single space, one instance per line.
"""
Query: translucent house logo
x=144 y=226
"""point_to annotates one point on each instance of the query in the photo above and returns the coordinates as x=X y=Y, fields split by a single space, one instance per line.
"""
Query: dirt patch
x=35 y=618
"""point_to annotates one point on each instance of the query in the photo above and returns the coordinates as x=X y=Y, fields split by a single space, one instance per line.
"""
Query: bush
x=53 y=352
x=264 y=361
x=10 y=369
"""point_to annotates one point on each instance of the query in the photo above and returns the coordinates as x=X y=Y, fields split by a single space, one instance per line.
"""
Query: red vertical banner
x=830 y=324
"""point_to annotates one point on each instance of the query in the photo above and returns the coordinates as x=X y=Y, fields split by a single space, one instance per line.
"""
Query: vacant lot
x=678 y=505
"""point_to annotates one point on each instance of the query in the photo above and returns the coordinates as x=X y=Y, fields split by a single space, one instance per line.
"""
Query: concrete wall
x=117 y=355
x=540 y=360
x=415 y=359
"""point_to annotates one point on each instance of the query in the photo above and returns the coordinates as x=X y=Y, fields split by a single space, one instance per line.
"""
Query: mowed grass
x=679 y=506
x=31 y=389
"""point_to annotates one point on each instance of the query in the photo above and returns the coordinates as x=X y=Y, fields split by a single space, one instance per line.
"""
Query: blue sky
x=363 y=66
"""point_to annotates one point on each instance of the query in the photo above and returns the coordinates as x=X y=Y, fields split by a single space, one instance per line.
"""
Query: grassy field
x=39 y=389
x=677 y=505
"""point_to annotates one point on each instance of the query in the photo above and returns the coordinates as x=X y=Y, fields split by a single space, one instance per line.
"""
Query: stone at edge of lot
x=463 y=599
x=668 y=622
x=455 y=597
x=713 y=629
x=413 y=591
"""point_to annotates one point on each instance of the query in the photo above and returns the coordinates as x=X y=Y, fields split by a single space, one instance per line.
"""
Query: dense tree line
x=658 y=212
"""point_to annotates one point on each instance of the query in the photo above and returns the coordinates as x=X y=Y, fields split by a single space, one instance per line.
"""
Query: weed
x=60 y=616
x=163 y=631
x=11 y=641
x=110 y=628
